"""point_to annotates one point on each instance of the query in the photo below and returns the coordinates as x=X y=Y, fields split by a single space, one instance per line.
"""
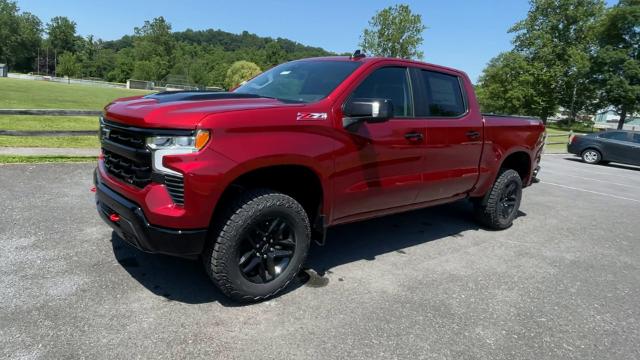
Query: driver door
x=380 y=166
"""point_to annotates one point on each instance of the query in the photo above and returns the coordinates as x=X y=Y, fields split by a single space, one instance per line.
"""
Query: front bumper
x=134 y=228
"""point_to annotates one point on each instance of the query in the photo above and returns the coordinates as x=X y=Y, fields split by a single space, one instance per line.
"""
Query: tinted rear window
x=444 y=94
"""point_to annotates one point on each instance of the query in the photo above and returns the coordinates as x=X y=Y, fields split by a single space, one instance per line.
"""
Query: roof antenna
x=358 y=55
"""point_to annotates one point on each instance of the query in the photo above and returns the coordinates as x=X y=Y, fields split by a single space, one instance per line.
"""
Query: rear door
x=453 y=133
x=617 y=146
x=634 y=154
x=380 y=165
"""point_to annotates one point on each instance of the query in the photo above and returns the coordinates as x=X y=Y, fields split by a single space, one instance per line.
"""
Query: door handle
x=473 y=134
x=414 y=136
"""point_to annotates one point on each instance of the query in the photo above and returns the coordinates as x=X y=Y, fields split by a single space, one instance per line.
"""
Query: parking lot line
x=591 y=191
x=591 y=170
x=592 y=179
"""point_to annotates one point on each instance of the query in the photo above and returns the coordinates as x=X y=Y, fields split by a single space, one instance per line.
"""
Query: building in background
x=4 y=70
x=608 y=119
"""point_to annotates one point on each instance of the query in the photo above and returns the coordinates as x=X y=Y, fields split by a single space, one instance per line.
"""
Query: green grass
x=558 y=148
x=50 y=141
x=32 y=122
x=9 y=159
x=578 y=126
x=32 y=94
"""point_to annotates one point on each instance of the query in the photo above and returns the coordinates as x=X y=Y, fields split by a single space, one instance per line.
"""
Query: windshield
x=300 y=81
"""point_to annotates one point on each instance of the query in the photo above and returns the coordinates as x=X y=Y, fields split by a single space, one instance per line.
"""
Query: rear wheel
x=259 y=246
x=591 y=156
x=499 y=207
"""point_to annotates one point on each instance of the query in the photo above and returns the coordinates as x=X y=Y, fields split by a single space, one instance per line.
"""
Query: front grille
x=126 y=138
x=125 y=156
x=127 y=170
x=175 y=187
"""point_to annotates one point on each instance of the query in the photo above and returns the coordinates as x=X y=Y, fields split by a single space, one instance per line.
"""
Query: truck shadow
x=185 y=281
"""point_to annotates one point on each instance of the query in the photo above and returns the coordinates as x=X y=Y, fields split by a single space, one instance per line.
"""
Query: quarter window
x=388 y=83
x=444 y=95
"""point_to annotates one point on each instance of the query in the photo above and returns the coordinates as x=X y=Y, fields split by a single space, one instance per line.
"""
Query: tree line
x=576 y=55
x=151 y=53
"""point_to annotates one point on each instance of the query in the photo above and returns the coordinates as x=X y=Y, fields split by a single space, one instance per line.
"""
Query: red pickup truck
x=246 y=179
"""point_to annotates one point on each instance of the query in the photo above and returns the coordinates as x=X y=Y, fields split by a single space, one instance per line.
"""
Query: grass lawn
x=50 y=141
x=31 y=122
x=6 y=159
x=557 y=148
x=33 y=94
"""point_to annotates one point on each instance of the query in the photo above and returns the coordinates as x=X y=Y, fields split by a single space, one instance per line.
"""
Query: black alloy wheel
x=266 y=250
x=508 y=200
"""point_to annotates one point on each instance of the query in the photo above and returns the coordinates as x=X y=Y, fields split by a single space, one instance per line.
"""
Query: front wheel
x=259 y=245
x=499 y=207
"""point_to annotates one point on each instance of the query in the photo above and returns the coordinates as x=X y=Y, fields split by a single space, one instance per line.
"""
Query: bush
x=240 y=71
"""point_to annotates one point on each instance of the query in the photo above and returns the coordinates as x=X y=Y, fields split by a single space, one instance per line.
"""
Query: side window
x=636 y=138
x=388 y=83
x=615 y=135
x=444 y=95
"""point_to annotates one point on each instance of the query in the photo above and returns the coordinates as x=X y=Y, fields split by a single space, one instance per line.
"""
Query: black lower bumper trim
x=134 y=228
x=536 y=171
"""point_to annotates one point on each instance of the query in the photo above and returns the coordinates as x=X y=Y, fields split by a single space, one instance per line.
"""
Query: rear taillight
x=573 y=139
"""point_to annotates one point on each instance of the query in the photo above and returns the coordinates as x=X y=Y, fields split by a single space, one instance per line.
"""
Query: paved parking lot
x=562 y=283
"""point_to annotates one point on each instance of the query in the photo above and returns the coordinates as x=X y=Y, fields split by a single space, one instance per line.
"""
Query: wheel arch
x=520 y=161
x=296 y=179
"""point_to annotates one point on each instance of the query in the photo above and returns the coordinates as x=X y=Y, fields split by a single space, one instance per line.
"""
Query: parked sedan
x=616 y=146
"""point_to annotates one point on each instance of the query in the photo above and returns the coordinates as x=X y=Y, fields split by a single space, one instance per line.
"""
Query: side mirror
x=369 y=110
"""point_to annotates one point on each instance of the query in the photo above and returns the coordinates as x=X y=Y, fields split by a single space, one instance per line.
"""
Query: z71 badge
x=311 y=116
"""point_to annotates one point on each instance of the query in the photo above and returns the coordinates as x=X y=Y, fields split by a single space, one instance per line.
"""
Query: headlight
x=161 y=146
x=193 y=143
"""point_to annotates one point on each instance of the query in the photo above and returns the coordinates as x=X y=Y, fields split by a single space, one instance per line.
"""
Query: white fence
x=67 y=80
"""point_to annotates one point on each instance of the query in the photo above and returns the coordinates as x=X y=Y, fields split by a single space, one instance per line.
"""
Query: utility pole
x=38 y=62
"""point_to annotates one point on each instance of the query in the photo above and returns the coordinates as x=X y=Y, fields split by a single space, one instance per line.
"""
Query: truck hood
x=183 y=110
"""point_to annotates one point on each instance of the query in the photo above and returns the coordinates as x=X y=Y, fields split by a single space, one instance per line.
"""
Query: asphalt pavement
x=562 y=283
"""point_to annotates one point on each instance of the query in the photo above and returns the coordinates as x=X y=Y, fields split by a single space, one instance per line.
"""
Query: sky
x=463 y=34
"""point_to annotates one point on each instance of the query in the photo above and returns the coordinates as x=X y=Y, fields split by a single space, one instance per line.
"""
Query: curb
x=51 y=112
x=35 y=151
x=49 y=133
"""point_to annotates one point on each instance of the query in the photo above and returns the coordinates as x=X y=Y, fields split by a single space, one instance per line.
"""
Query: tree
x=616 y=73
x=274 y=54
x=8 y=27
x=61 y=34
x=20 y=36
x=394 y=32
x=240 y=71
x=29 y=41
x=154 y=47
x=506 y=86
x=68 y=65
x=558 y=36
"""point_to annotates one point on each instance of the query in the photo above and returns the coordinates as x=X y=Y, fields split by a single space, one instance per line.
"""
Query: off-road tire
x=487 y=209
x=220 y=255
